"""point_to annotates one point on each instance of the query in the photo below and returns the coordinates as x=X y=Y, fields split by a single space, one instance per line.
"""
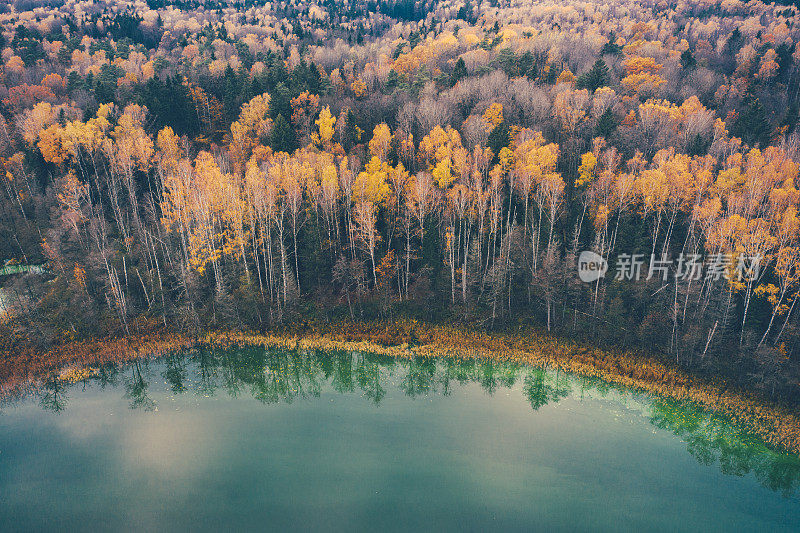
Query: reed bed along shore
x=22 y=368
x=776 y=424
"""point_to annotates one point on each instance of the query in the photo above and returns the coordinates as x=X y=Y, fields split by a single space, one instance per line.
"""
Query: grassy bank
x=775 y=423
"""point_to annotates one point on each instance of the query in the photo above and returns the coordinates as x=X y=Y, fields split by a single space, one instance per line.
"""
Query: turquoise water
x=254 y=439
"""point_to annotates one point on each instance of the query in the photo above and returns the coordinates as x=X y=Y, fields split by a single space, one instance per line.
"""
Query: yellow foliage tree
x=326 y=123
x=493 y=116
x=381 y=141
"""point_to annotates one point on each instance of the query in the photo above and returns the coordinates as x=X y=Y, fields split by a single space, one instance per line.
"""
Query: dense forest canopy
x=244 y=164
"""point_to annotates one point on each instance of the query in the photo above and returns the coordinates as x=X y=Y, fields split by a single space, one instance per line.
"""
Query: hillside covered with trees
x=249 y=164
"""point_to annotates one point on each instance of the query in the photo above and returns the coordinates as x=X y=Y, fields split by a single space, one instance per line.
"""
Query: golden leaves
x=370 y=185
x=442 y=149
x=358 y=87
x=586 y=169
x=169 y=149
x=380 y=142
x=493 y=116
x=442 y=175
x=642 y=75
x=535 y=159
x=566 y=76
x=15 y=65
x=253 y=125
x=132 y=145
x=326 y=123
x=50 y=145
x=80 y=275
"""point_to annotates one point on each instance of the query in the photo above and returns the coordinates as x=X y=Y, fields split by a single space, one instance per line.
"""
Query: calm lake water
x=282 y=440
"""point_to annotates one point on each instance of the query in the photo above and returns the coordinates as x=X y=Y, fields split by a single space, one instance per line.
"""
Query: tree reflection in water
x=713 y=439
x=53 y=397
x=280 y=375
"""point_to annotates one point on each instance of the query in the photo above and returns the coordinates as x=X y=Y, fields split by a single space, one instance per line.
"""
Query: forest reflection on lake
x=479 y=424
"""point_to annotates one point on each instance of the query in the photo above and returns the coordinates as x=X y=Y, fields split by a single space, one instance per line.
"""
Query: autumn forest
x=198 y=165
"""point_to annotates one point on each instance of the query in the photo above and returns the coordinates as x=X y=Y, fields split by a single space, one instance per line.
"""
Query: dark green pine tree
x=350 y=134
x=606 y=124
x=246 y=91
x=595 y=77
x=507 y=60
x=299 y=77
x=459 y=71
x=499 y=138
x=391 y=81
x=280 y=103
x=784 y=52
x=525 y=63
x=611 y=47
x=687 y=59
x=752 y=125
x=245 y=54
x=277 y=73
x=256 y=87
x=314 y=79
x=230 y=94
x=283 y=138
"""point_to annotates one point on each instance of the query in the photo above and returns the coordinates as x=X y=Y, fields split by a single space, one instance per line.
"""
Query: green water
x=246 y=439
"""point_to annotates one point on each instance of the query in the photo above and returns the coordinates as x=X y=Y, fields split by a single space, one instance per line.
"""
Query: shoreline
x=775 y=423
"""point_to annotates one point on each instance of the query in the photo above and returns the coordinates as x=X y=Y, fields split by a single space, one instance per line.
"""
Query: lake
x=250 y=438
